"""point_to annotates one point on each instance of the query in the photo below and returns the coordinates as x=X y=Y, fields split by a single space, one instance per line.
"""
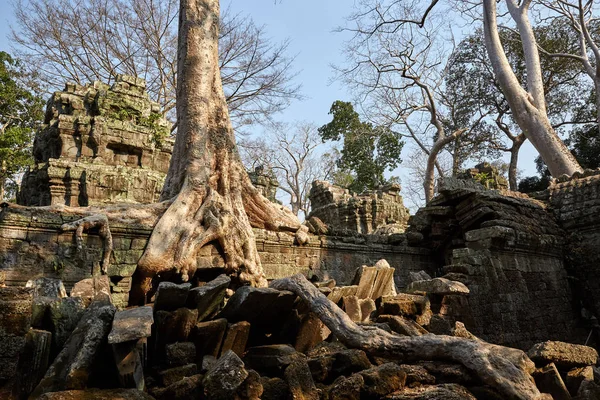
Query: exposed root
x=99 y=221
x=505 y=369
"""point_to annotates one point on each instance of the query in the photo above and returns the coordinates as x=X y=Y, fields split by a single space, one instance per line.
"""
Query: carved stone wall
x=99 y=144
x=364 y=213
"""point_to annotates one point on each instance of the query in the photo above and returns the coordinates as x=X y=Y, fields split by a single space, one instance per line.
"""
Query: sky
x=310 y=25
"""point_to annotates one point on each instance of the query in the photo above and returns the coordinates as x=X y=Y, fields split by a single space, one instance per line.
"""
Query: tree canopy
x=20 y=114
x=367 y=151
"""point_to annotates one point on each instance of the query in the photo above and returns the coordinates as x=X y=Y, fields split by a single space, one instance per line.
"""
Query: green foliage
x=367 y=151
x=20 y=115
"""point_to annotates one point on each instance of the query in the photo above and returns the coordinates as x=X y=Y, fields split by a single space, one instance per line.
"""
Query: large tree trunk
x=429 y=183
x=505 y=369
x=529 y=110
x=214 y=200
x=514 y=161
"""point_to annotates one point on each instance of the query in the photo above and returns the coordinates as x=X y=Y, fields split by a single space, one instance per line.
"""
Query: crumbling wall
x=344 y=212
x=32 y=245
x=509 y=251
x=99 y=144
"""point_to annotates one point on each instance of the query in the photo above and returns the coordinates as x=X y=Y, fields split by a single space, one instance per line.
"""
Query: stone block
x=438 y=286
x=90 y=289
x=564 y=355
x=170 y=376
x=448 y=391
x=208 y=337
x=352 y=308
x=64 y=315
x=312 y=332
x=208 y=298
x=131 y=324
x=402 y=326
x=97 y=394
x=382 y=380
x=270 y=360
x=170 y=296
x=225 y=378
x=130 y=363
x=15 y=310
x=33 y=362
x=300 y=380
x=548 y=380
x=180 y=353
x=236 y=338
x=47 y=287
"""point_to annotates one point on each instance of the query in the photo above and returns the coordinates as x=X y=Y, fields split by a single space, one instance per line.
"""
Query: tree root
x=85 y=224
x=505 y=369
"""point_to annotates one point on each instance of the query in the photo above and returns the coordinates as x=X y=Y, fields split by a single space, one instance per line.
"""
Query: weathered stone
x=131 y=324
x=367 y=309
x=417 y=375
x=374 y=282
x=129 y=362
x=170 y=376
x=352 y=308
x=64 y=313
x=71 y=368
x=15 y=310
x=180 y=353
x=439 y=286
x=188 y=388
x=312 y=332
x=264 y=308
x=300 y=381
x=564 y=355
x=409 y=305
x=440 y=325
x=382 y=380
x=327 y=364
x=576 y=376
x=251 y=388
x=208 y=298
x=548 y=380
x=170 y=296
x=236 y=338
x=90 y=289
x=33 y=361
x=47 y=287
x=449 y=391
x=338 y=292
x=403 y=326
x=588 y=391
x=174 y=326
x=346 y=388
x=274 y=389
x=418 y=276
x=40 y=312
x=97 y=394
x=225 y=378
x=270 y=360
x=208 y=337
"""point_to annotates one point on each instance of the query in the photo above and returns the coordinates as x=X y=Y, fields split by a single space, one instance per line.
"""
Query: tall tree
x=20 y=114
x=367 y=150
x=88 y=40
x=212 y=199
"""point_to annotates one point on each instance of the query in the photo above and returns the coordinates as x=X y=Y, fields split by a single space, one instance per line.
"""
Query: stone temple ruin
x=99 y=144
x=475 y=263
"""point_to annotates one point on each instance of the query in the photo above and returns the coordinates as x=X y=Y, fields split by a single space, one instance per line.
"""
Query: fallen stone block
x=170 y=296
x=418 y=276
x=189 y=388
x=576 y=376
x=338 y=292
x=312 y=332
x=33 y=362
x=346 y=388
x=173 y=326
x=270 y=360
x=208 y=299
x=251 y=388
x=225 y=378
x=131 y=324
x=170 y=376
x=71 y=368
x=367 y=309
x=236 y=338
x=564 y=355
x=180 y=353
x=374 y=282
x=548 y=380
x=265 y=309
x=409 y=305
x=352 y=308
x=15 y=320
x=382 y=380
x=588 y=391
x=64 y=314
x=47 y=287
x=274 y=389
x=438 y=286
x=208 y=337
x=129 y=362
x=300 y=380
x=416 y=375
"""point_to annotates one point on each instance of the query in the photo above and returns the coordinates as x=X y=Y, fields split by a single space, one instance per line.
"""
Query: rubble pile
x=213 y=342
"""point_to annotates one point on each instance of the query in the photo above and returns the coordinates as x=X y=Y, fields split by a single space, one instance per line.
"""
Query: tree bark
x=514 y=160
x=429 y=183
x=505 y=369
x=213 y=198
x=528 y=110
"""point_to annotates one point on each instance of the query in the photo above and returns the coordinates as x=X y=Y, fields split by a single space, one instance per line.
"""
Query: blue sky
x=310 y=25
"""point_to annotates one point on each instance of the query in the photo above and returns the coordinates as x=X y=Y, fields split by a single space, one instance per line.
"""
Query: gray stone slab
x=131 y=324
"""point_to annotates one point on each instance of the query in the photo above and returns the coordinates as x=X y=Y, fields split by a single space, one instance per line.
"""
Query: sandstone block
x=564 y=355
x=131 y=324
x=236 y=338
x=47 y=287
x=170 y=296
x=208 y=298
x=439 y=286
x=225 y=378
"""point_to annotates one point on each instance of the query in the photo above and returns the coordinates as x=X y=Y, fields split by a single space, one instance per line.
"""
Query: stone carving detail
x=99 y=144
x=365 y=213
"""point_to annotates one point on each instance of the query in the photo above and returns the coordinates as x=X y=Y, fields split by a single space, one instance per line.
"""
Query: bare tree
x=400 y=82
x=294 y=153
x=88 y=40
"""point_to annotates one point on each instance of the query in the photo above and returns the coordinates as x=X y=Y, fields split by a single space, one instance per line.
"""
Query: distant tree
x=20 y=114
x=292 y=152
x=367 y=151
x=87 y=40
